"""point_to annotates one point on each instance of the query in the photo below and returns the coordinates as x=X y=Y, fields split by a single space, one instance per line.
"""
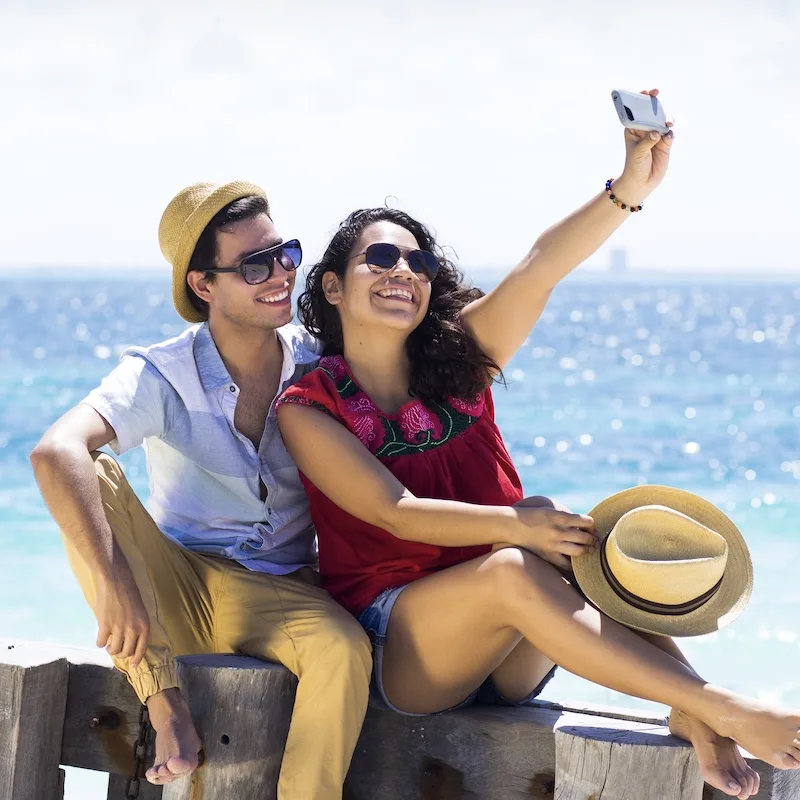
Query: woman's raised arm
x=504 y=318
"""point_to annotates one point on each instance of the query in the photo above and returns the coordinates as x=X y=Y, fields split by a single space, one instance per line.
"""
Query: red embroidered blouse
x=451 y=451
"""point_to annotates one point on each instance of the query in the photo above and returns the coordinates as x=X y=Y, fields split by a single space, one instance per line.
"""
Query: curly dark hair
x=446 y=361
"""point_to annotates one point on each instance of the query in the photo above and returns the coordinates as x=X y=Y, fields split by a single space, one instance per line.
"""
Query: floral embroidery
x=369 y=431
x=335 y=366
x=361 y=405
x=474 y=407
x=416 y=421
x=414 y=429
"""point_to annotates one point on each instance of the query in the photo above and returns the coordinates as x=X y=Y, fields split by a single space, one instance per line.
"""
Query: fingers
x=103 y=635
x=115 y=643
x=580 y=521
x=141 y=647
x=572 y=549
x=577 y=536
x=130 y=643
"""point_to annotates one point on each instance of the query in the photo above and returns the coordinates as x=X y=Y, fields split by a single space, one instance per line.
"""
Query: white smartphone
x=640 y=112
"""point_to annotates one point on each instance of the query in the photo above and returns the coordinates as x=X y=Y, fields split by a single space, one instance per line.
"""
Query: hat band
x=648 y=605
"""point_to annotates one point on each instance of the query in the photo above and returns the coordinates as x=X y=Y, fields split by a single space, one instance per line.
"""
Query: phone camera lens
x=629 y=113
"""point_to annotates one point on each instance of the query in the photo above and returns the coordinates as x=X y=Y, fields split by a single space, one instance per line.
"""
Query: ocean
x=692 y=383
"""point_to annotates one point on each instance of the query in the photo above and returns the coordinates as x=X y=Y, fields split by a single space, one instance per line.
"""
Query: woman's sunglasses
x=258 y=267
x=381 y=257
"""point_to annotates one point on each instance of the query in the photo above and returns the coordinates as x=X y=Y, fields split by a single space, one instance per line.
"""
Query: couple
x=425 y=539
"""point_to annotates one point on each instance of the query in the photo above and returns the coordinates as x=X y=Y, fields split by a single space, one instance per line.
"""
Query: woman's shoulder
x=318 y=388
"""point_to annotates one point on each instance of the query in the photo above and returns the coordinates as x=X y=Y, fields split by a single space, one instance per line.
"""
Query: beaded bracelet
x=614 y=199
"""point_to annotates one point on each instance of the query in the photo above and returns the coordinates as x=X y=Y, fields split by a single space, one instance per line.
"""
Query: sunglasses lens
x=382 y=255
x=257 y=268
x=290 y=255
x=423 y=262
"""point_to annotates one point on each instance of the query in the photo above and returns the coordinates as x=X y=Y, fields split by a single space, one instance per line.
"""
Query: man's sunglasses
x=382 y=256
x=258 y=267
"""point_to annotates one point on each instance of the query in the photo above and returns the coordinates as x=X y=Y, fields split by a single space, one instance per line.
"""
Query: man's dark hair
x=446 y=361
x=205 y=251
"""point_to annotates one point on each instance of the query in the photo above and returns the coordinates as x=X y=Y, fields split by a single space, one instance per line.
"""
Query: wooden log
x=242 y=708
x=613 y=762
x=117 y=785
x=485 y=753
x=33 y=694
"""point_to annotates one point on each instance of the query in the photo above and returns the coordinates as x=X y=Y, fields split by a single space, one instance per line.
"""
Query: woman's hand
x=646 y=160
x=552 y=534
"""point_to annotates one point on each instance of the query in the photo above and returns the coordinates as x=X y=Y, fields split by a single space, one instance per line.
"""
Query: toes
x=179 y=766
x=152 y=776
x=723 y=780
x=748 y=782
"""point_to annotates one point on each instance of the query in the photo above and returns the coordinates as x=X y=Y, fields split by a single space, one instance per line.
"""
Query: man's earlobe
x=331 y=288
x=198 y=284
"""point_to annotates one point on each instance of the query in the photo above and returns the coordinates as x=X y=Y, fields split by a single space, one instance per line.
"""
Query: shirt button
x=233 y=389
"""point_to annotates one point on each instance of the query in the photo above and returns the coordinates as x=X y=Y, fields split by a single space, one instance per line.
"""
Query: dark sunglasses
x=381 y=257
x=258 y=267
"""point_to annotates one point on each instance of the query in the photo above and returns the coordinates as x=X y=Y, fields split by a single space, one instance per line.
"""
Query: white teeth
x=404 y=293
x=274 y=298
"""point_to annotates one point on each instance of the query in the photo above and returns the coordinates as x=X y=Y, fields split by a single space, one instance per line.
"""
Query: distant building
x=618 y=262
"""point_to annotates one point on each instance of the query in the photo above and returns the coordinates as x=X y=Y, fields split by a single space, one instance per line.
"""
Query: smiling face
x=396 y=299
x=266 y=305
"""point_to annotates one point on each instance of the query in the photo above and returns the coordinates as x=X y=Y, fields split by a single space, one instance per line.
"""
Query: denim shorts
x=375 y=621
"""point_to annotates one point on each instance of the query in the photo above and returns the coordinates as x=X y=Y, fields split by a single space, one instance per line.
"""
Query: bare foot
x=771 y=734
x=177 y=742
x=721 y=764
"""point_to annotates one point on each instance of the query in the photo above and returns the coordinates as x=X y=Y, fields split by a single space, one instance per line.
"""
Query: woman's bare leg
x=721 y=763
x=450 y=630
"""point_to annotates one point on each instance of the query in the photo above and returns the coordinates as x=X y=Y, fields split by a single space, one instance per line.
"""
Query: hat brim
x=192 y=229
x=720 y=610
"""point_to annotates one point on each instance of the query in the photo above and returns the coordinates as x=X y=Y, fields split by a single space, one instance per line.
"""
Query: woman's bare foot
x=721 y=764
x=773 y=735
x=177 y=743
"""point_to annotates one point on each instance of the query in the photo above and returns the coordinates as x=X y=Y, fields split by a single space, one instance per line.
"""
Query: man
x=224 y=560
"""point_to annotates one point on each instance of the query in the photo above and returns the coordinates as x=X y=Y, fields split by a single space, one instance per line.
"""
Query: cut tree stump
x=241 y=708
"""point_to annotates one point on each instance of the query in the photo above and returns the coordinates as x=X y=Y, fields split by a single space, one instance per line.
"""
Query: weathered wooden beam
x=241 y=708
x=102 y=720
x=117 y=785
x=32 y=700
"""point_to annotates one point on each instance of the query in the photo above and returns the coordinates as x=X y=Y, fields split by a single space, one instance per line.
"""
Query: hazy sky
x=488 y=121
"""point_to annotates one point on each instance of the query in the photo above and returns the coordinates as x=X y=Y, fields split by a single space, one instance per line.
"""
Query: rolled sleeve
x=132 y=401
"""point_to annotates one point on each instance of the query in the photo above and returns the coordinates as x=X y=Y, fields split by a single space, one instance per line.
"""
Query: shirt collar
x=212 y=370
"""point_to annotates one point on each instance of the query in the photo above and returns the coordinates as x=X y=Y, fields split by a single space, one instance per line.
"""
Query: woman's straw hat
x=182 y=222
x=668 y=563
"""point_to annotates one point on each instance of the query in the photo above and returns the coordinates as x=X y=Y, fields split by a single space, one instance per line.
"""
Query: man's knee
x=113 y=483
x=339 y=638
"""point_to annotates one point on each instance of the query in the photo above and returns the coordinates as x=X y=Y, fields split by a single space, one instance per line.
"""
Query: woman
x=424 y=533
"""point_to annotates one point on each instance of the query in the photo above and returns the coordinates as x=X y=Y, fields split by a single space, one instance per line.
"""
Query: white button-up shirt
x=178 y=400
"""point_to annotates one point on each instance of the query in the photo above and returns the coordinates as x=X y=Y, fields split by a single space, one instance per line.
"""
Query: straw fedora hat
x=182 y=222
x=668 y=563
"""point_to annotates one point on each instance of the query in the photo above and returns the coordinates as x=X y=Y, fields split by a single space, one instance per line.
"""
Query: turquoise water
x=692 y=385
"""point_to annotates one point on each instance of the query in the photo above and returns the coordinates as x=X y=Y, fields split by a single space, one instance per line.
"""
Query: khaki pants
x=202 y=604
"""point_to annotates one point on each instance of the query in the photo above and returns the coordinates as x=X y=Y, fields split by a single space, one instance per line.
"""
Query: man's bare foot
x=773 y=735
x=721 y=764
x=177 y=742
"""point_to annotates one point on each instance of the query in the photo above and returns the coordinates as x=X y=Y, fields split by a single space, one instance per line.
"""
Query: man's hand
x=553 y=534
x=123 y=624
